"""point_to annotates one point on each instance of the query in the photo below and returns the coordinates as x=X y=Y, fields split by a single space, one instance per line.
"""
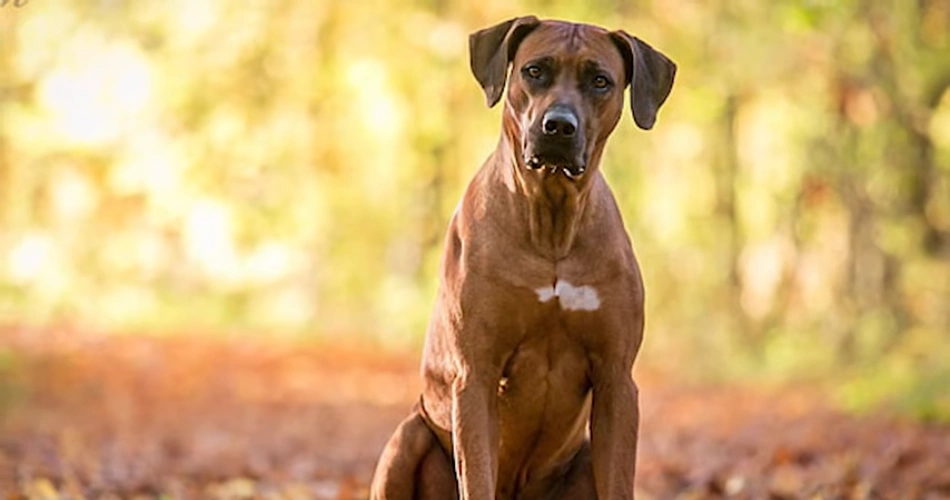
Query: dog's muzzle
x=556 y=143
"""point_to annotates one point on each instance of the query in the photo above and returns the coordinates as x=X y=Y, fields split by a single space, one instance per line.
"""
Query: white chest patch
x=570 y=297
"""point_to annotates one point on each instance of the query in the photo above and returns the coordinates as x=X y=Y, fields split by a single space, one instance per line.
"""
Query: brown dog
x=527 y=365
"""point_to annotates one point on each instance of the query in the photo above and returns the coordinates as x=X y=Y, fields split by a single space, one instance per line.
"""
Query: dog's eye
x=533 y=71
x=601 y=82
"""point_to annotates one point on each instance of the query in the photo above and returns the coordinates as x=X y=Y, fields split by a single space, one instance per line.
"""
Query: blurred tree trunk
x=727 y=165
x=869 y=272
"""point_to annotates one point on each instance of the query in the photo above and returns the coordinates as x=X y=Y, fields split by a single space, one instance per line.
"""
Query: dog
x=528 y=392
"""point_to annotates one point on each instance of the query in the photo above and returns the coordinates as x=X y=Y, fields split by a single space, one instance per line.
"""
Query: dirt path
x=123 y=417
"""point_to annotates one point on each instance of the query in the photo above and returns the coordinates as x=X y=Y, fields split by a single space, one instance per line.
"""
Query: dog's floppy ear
x=650 y=75
x=490 y=51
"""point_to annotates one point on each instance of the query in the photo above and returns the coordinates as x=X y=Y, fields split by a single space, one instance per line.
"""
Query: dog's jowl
x=528 y=392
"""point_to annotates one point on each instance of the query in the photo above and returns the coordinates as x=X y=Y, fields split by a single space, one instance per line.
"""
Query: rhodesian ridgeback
x=528 y=392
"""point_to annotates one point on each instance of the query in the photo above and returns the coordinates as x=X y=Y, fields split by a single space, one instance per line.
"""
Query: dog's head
x=565 y=93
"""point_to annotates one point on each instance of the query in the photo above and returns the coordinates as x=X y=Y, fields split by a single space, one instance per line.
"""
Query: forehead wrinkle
x=574 y=41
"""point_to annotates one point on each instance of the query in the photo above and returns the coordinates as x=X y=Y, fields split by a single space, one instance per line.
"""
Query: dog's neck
x=553 y=206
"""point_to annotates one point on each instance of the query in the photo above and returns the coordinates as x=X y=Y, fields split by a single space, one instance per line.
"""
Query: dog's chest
x=543 y=396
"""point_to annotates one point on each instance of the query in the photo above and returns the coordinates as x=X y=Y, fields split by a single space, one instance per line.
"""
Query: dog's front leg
x=615 y=417
x=475 y=436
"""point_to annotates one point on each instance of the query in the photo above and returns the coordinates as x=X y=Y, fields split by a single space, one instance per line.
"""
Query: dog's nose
x=559 y=121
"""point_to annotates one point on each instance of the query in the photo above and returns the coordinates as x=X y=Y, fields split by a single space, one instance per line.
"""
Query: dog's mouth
x=555 y=156
x=571 y=170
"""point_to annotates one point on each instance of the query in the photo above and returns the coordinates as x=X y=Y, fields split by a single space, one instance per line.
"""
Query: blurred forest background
x=288 y=168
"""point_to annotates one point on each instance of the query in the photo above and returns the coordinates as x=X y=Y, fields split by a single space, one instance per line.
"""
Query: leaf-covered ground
x=85 y=416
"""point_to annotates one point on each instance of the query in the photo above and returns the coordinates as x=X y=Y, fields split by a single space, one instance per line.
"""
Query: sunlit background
x=287 y=168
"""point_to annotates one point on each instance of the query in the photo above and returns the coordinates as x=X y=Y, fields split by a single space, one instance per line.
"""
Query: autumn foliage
x=86 y=416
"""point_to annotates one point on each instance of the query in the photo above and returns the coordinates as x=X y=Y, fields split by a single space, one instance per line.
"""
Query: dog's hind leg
x=436 y=476
x=413 y=466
